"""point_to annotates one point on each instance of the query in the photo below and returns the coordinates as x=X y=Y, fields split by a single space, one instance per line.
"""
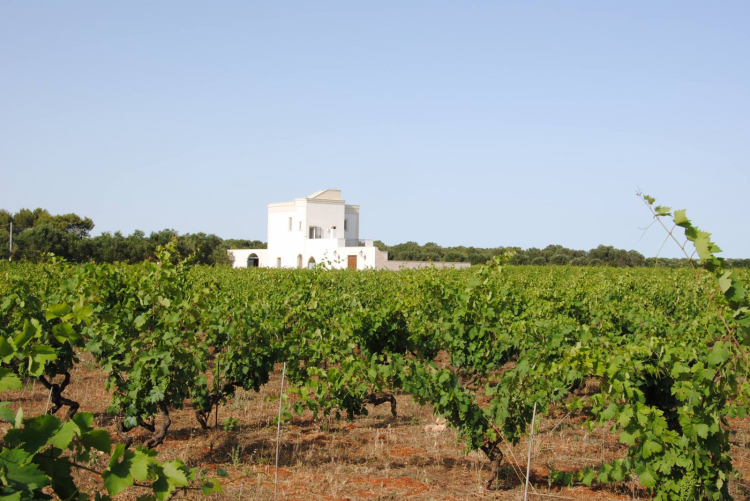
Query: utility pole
x=10 y=247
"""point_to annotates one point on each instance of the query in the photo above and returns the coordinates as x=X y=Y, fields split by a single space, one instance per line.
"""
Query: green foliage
x=481 y=346
x=41 y=328
x=148 y=338
x=668 y=387
x=38 y=233
x=42 y=452
x=230 y=424
x=550 y=255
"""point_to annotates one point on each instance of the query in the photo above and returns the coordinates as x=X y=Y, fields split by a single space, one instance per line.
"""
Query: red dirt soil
x=372 y=457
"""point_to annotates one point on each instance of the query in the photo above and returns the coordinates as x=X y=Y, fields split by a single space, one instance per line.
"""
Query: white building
x=319 y=229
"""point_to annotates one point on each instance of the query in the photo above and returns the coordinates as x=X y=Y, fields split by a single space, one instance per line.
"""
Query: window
x=346 y=226
x=300 y=226
x=316 y=232
x=290 y=224
x=278 y=262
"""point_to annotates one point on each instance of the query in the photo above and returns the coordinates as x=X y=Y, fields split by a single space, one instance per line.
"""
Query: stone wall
x=415 y=265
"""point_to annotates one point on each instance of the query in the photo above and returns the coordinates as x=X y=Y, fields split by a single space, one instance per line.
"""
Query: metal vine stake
x=528 y=462
x=278 y=433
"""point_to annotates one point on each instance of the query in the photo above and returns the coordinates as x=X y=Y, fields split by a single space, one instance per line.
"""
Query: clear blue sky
x=474 y=123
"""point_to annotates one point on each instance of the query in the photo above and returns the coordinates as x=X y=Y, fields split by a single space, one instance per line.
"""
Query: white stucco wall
x=324 y=209
x=282 y=242
x=335 y=255
x=241 y=255
x=351 y=215
x=367 y=257
x=293 y=246
x=326 y=216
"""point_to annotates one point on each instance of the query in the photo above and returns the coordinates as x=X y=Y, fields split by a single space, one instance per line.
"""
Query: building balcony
x=356 y=242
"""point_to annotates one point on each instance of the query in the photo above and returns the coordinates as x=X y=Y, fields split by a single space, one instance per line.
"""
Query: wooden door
x=352 y=264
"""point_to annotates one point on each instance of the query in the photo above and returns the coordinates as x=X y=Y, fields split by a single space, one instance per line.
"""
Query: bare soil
x=373 y=457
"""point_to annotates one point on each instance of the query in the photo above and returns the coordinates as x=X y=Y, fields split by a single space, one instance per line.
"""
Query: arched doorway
x=299 y=261
x=311 y=263
x=253 y=261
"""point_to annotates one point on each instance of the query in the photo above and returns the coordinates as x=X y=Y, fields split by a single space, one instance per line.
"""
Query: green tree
x=34 y=242
x=71 y=223
x=5 y=219
x=559 y=259
x=26 y=218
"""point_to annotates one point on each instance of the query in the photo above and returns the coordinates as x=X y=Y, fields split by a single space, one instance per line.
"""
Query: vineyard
x=654 y=358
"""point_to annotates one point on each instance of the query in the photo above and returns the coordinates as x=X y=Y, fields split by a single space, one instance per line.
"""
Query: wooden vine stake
x=278 y=433
x=218 y=372
x=49 y=398
x=528 y=462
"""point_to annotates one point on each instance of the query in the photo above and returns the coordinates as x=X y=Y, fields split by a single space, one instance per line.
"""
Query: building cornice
x=328 y=202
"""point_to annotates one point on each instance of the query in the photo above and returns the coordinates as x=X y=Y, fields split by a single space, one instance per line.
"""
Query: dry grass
x=374 y=457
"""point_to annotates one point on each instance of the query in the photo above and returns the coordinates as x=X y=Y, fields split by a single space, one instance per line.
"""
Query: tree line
x=552 y=255
x=36 y=233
